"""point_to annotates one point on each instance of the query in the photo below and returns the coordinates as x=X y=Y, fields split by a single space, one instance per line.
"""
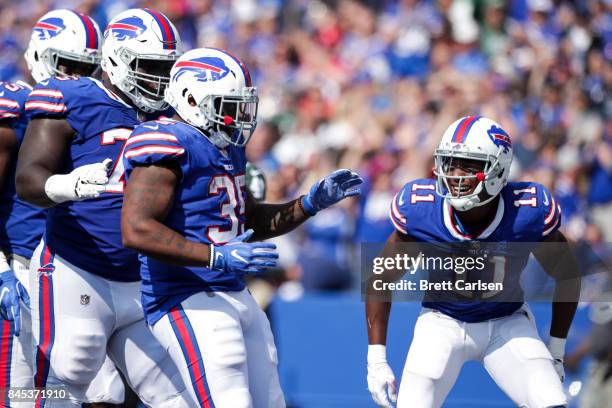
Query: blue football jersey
x=88 y=233
x=208 y=207
x=21 y=224
x=527 y=213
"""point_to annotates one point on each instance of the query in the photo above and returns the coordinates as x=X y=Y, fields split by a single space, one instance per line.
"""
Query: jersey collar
x=455 y=230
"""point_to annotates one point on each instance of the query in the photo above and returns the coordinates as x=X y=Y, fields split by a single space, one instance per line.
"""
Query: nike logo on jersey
x=545 y=199
x=400 y=200
x=151 y=127
x=235 y=254
x=45 y=82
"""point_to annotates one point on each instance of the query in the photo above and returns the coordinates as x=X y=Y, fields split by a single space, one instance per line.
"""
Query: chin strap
x=466 y=204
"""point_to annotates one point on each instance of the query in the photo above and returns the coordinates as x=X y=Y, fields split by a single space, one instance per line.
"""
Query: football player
x=472 y=201
x=84 y=284
x=63 y=42
x=188 y=212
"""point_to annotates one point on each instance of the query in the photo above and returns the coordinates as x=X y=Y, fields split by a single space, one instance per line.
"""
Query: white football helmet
x=63 y=41
x=212 y=90
x=140 y=46
x=473 y=138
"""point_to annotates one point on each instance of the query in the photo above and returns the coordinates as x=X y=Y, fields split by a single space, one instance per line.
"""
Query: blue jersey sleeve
x=537 y=212
x=47 y=100
x=550 y=211
x=152 y=142
x=397 y=211
x=411 y=204
x=12 y=101
x=84 y=102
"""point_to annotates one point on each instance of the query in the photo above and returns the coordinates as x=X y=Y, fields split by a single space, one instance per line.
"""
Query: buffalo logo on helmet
x=49 y=27
x=126 y=28
x=500 y=138
x=205 y=69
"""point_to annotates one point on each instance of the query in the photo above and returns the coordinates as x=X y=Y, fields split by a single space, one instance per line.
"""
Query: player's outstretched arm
x=41 y=155
x=8 y=142
x=271 y=220
x=149 y=196
x=558 y=260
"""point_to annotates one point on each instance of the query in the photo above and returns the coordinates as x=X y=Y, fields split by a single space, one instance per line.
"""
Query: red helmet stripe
x=463 y=129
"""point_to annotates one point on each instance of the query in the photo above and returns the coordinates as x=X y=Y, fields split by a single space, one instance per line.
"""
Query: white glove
x=381 y=381
x=84 y=182
x=556 y=346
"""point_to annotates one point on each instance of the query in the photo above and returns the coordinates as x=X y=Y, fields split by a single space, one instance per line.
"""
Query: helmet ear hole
x=190 y=100
x=36 y=55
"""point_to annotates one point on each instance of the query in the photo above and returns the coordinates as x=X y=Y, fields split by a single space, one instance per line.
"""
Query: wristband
x=60 y=188
x=377 y=353
x=556 y=346
x=306 y=207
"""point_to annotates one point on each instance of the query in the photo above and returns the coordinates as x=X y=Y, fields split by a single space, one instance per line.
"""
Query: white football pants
x=225 y=350
x=510 y=349
x=79 y=318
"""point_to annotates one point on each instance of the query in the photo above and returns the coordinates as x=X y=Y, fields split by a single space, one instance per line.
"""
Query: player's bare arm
x=148 y=199
x=381 y=381
x=8 y=141
x=41 y=155
x=272 y=220
x=559 y=262
x=377 y=312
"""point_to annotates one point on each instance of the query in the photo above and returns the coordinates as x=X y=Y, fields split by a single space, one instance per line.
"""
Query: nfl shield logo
x=84 y=300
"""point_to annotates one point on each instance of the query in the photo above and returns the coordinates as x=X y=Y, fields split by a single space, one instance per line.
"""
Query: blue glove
x=331 y=189
x=241 y=257
x=11 y=292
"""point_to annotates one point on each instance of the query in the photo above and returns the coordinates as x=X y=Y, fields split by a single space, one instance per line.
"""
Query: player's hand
x=84 y=182
x=381 y=381
x=331 y=189
x=556 y=346
x=11 y=292
x=241 y=257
